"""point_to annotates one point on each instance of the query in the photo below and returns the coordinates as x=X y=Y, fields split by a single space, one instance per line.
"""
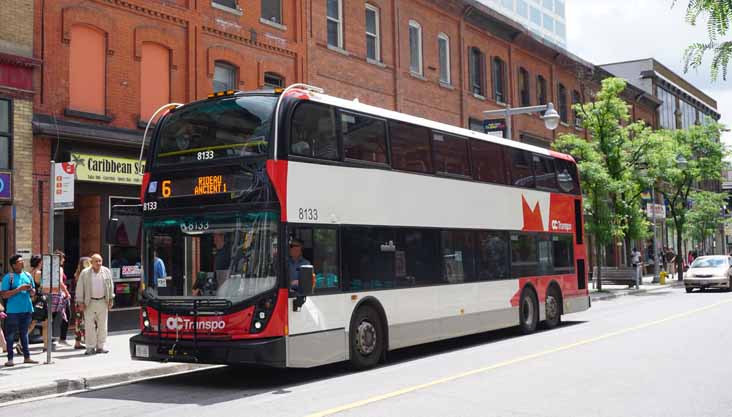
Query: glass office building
x=546 y=18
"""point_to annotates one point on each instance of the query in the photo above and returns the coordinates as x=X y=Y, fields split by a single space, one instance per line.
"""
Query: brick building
x=108 y=64
x=16 y=137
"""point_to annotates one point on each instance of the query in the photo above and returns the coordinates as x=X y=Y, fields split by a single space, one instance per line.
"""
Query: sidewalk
x=610 y=291
x=71 y=370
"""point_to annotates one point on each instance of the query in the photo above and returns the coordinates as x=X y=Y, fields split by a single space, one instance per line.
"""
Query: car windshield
x=232 y=256
x=216 y=129
x=709 y=263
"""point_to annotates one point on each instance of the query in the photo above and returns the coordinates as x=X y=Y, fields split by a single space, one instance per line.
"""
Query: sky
x=606 y=31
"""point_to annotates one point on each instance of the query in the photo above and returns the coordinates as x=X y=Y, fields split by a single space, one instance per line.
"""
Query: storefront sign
x=131 y=271
x=660 y=210
x=64 y=196
x=495 y=127
x=107 y=169
x=5 y=186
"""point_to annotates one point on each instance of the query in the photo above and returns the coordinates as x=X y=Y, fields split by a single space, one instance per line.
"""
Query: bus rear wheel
x=366 y=338
x=553 y=308
x=528 y=311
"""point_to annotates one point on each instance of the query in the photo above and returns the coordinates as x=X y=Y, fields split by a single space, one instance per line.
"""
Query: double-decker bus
x=295 y=229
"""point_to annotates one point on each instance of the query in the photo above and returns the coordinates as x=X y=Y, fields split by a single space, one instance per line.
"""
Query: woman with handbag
x=84 y=262
x=3 y=344
x=39 y=311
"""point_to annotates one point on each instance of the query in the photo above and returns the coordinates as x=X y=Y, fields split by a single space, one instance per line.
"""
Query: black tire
x=528 y=311
x=366 y=338
x=689 y=289
x=553 y=308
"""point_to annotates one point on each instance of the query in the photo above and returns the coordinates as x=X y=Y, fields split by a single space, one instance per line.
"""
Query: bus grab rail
x=279 y=104
x=147 y=127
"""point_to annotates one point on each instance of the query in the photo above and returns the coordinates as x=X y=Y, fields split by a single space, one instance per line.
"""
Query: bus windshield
x=231 y=256
x=216 y=129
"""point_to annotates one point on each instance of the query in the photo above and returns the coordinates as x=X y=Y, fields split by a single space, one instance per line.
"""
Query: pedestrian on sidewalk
x=36 y=273
x=671 y=261
x=637 y=264
x=3 y=316
x=17 y=288
x=60 y=302
x=84 y=262
x=95 y=296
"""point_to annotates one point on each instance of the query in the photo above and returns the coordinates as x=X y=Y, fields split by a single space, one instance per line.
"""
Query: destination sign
x=205 y=185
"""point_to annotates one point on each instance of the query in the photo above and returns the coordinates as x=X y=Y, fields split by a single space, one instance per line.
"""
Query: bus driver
x=295 y=261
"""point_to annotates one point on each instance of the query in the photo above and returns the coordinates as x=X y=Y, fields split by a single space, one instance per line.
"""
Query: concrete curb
x=62 y=386
x=608 y=296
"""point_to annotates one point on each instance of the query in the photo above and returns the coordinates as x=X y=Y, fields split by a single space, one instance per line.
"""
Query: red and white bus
x=416 y=231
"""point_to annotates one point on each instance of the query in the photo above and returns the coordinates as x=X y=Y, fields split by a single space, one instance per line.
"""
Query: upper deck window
x=215 y=129
x=314 y=131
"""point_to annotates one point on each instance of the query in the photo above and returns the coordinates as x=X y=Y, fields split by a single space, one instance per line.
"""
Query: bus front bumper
x=262 y=352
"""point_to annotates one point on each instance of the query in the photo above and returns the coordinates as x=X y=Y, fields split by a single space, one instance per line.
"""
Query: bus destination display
x=201 y=186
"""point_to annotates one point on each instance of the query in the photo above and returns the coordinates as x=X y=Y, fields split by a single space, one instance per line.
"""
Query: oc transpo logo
x=178 y=324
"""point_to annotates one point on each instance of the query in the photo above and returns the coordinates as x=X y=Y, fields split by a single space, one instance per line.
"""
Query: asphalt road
x=665 y=353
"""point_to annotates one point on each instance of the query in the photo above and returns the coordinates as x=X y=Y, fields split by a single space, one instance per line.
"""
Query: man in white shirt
x=95 y=297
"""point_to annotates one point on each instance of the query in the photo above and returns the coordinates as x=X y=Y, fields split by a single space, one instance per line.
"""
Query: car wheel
x=689 y=289
x=366 y=338
x=729 y=284
x=528 y=311
x=553 y=307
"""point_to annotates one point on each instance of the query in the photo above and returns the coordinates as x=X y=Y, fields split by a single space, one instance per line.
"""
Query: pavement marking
x=413 y=388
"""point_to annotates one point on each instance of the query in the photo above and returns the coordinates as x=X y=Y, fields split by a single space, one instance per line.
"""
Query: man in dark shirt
x=294 y=262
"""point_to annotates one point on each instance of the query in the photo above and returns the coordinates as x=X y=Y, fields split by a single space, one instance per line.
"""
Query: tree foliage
x=704 y=216
x=609 y=165
x=684 y=160
x=718 y=14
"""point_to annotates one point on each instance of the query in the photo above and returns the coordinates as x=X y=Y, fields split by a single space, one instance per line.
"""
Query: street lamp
x=551 y=117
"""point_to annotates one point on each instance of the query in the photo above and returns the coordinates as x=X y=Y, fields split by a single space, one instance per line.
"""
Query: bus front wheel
x=528 y=311
x=366 y=338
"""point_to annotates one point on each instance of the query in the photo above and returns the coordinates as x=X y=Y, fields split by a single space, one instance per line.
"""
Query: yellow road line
x=413 y=388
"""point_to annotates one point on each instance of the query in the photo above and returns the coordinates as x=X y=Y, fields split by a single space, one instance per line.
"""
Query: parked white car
x=709 y=272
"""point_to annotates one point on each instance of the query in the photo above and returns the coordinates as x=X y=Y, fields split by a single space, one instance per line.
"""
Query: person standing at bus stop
x=18 y=288
x=95 y=297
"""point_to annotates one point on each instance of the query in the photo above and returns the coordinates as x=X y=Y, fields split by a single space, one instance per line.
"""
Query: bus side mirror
x=306 y=280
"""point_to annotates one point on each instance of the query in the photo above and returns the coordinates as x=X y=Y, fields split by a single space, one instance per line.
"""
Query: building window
x=524 y=87
x=373 y=30
x=688 y=114
x=548 y=5
x=562 y=100
x=224 y=76
x=576 y=99
x=667 y=110
x=335 y=28
x=561 y=29
x=272 y=10
x=231 y=4
x=154 y=79
x=273 y=80
x=522 y=8
x=559 y=8
x=548 y=23
x=541 y=90
x=415 y=47
x=507 y=4
x=535 y=16
x=476 y=125
x=477 y=71
x=5 y=134
x=87 y=70
x=443 y=44
x=499 y=80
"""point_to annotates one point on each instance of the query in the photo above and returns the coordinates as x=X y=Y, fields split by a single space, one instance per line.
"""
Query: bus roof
x=354 y=105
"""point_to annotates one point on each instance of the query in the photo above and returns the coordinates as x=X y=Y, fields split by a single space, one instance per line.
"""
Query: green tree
x=682 y=162
x=718 y=14
x=705 y=215
x=608 y=165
